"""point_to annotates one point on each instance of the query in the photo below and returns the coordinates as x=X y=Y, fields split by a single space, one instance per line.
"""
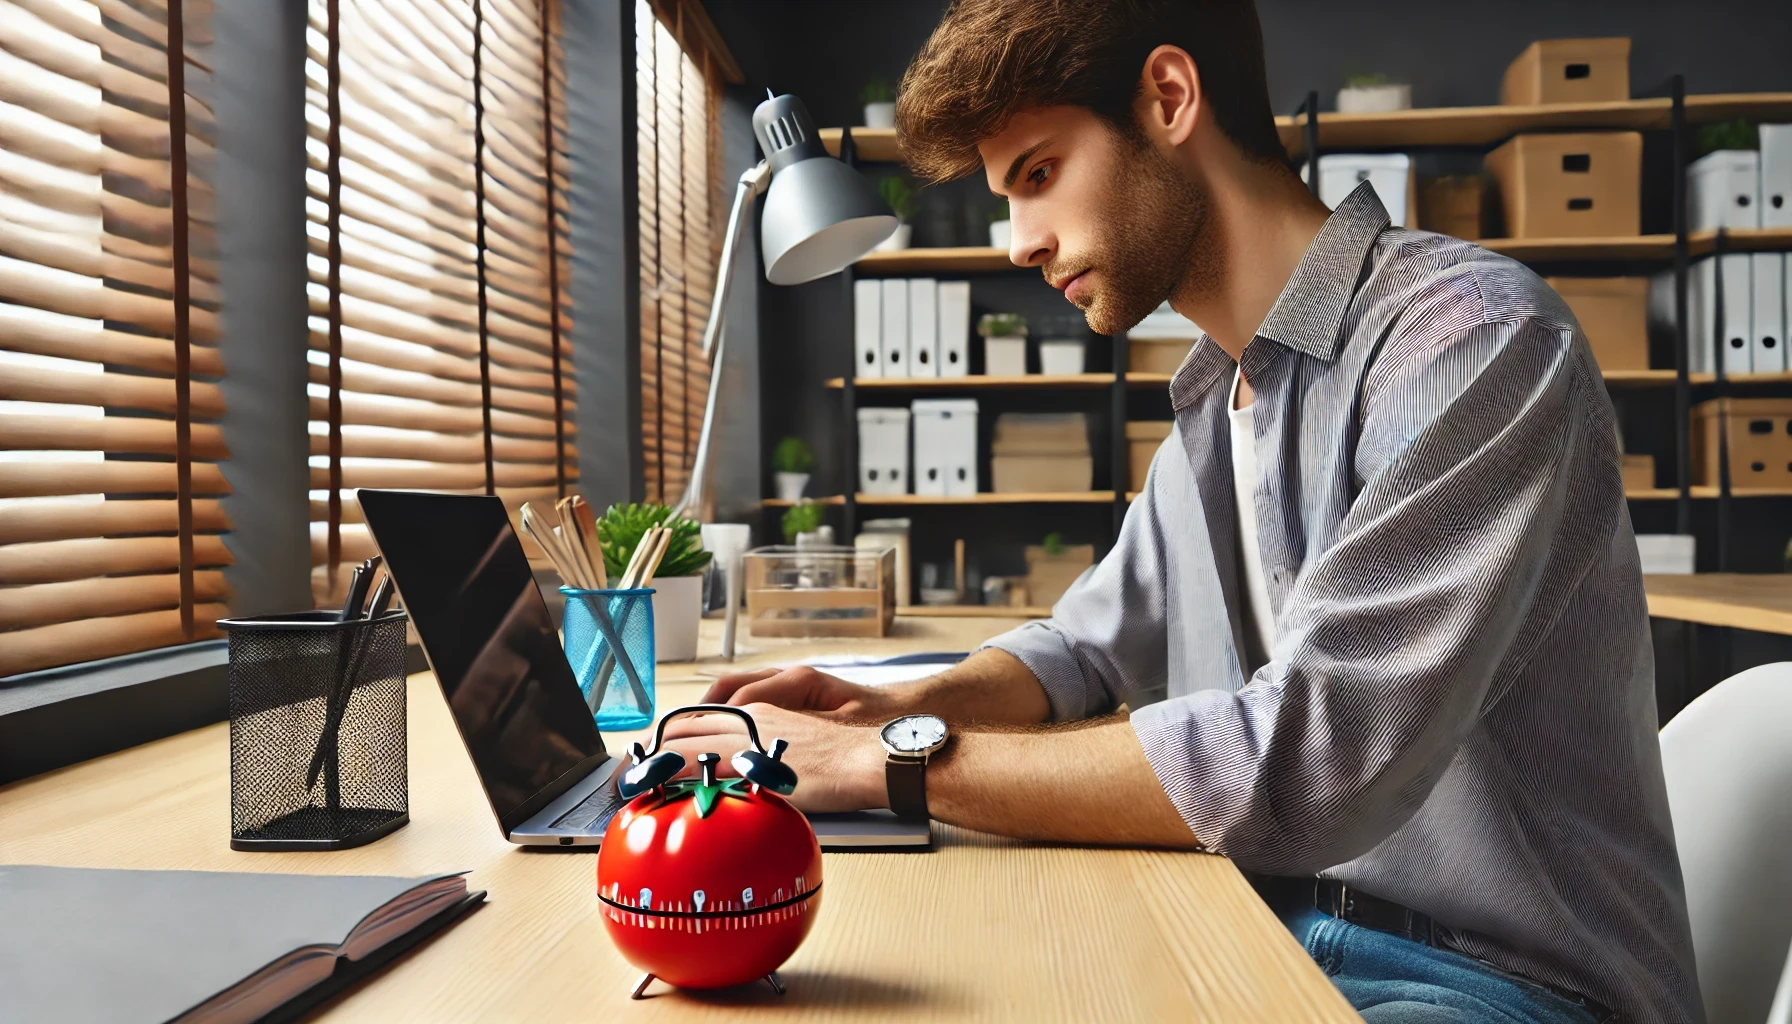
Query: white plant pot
x=790 y=485
x=897 y=241
x=1061 y=356
x=1001 y=232
x=677 y=608
x=880 y=115
x=1374 y=99
x=1005 y=356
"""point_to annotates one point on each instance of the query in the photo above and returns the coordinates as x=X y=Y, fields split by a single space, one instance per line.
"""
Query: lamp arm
x=752 y=182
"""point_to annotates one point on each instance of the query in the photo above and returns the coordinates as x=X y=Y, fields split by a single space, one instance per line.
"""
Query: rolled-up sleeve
x=1105 y=642
x=1476 y=484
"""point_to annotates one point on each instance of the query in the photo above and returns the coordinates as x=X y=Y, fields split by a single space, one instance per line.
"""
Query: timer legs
x=647 y=979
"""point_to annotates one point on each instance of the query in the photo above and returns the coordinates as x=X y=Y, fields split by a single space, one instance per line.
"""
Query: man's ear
x=1170 y=96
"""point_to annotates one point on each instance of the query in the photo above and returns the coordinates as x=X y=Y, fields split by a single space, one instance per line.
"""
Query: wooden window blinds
x=680 y=65
x=109 y=516
x=439 y=352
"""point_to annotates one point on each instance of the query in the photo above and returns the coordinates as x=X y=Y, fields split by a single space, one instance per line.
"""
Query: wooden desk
x=983 y=928
x=1744 y=600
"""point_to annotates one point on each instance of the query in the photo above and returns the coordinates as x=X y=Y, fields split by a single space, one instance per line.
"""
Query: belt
x=1347 y=903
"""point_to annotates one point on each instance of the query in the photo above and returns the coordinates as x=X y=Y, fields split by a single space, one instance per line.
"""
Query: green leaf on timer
x=707 y=795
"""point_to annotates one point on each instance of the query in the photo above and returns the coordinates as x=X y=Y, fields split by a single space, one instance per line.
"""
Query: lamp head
x=820 y=215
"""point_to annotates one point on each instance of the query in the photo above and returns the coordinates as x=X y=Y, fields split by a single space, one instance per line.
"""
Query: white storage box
x=1061 y=356
x=1005 y=357
x=1724 y=190
x=883 y=451
x=1670 y=553
x=945 y=446
x=1390 y=174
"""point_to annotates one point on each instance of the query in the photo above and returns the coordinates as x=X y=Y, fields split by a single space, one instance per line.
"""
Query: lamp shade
x=820 y=215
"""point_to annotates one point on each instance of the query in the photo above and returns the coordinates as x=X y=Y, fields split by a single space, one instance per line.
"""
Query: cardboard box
x=1569 y=71
x=1638 y=472
x=1613 y=314
x=1040 y=453
x=1759 y=434
x=1049 y=576
x=1570 y=185
x=1143 y=439
x=1041 y=474
x=1454 y=206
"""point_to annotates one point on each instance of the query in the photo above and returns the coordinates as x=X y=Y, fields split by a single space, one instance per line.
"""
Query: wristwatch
x=910 y=741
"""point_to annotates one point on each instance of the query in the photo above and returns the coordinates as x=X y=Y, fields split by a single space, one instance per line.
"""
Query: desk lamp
x=820 y=216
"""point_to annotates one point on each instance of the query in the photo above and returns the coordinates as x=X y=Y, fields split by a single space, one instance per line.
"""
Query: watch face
x=915 y=734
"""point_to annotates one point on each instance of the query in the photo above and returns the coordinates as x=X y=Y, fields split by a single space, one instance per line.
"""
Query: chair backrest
x=1727 y=758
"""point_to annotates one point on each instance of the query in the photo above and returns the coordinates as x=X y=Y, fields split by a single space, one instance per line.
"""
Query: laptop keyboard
x=592 y=813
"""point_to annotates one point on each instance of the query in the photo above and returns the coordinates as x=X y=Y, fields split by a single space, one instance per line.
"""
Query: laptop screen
x=467 y=586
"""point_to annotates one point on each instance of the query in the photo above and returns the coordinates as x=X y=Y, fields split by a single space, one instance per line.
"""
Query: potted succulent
x=1004 y=344
x=791 y=461
x=897 y=192
x=880 y=104
x=1001 y=230
x=802 y=517
x=1373 y=93
x=677 y=585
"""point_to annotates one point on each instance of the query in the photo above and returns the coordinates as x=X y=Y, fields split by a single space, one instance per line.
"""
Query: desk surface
x=1744 y=600
x=983 y=928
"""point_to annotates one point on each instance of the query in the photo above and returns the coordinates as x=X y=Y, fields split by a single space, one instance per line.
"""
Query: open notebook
x=95 y=944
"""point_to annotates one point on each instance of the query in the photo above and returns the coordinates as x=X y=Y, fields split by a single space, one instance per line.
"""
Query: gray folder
x=86 y=944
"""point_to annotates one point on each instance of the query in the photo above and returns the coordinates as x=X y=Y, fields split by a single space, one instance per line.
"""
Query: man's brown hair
x=990 y=59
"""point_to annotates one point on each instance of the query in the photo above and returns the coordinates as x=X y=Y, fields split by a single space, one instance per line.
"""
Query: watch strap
x=906 y=779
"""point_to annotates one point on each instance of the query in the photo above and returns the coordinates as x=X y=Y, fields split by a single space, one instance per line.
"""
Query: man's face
x=1108 y=220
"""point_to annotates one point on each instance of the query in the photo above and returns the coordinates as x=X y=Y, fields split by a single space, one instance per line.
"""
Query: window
x=679 y=68
x=439 y=357
x=109 y=516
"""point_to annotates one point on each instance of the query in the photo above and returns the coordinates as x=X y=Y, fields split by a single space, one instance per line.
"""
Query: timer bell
x=707 y=882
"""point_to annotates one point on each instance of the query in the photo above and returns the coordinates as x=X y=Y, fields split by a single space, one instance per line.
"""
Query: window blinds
x=679 y=69
x=109 y=516
x=439 y=331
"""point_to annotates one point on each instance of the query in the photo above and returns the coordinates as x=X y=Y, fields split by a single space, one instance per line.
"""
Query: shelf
x=1068 y=498
x=1449 y=126
x=968 y=259
x=1488 y=126
x=979 y=381
x=1632 y=247
x=1706 y=493
x=1703 y=243
x=974 y=611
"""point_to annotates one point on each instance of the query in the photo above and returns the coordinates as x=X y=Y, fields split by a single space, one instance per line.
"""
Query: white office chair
x=1782 y=999
x=1728 y=761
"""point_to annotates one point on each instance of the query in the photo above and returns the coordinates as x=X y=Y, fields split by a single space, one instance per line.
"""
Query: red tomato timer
x=707 y=882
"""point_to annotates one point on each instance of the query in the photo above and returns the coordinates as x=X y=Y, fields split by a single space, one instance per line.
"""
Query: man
x=1378 y=613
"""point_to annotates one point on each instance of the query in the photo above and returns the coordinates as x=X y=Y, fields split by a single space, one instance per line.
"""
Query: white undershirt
x=1259 y=622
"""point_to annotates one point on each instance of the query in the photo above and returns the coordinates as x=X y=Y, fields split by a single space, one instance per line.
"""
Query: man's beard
x=1154 y=240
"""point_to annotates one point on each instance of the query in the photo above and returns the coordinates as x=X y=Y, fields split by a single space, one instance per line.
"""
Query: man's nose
x=1030 y=244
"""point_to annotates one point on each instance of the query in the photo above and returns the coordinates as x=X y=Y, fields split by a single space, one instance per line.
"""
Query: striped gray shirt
x=1459 y=713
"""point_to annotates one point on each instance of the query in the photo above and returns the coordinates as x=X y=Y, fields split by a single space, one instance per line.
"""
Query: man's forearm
x=989 y=686
x=1083 y=783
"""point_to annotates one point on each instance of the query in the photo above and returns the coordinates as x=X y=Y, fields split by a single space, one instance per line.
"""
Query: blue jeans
x=1391 y=980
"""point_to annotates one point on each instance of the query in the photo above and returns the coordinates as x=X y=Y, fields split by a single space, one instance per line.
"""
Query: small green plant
x=1054 y=543
x=621 y=527
x=897 y=192
x=1002 y=325
x=1365 y=79
x=877 y=90
x=1736 y=134
x=792 y=455
x=802 y=517
x=999 y=212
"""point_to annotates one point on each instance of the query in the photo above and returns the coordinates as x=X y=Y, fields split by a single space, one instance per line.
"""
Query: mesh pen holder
x=608 y=635
x=292 y=678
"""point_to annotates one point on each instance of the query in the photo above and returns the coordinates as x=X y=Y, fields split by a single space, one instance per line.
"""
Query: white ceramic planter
x=790 y=485
x=677 y=608
x=1061 y=356
x=1005 y=357
x=880 y=115
x=1374 y=99
x=897 y=241
x=1000 y=233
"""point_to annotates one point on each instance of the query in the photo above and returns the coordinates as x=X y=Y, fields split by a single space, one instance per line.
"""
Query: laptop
x=491 y=642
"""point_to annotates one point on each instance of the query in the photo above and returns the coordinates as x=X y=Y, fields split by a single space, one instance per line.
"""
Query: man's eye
x=1038 y=174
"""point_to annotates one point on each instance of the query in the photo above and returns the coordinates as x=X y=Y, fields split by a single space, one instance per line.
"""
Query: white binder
x=867 y=328
x=883 y=451
x=1767 y=328
x=893 y=341
x=945 y=446
x=923 y=327
x=1723 y=190
x=1701 y=295
x=954 y=307
x=1776 y=175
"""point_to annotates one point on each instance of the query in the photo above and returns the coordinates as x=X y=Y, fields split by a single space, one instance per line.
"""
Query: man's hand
x=839 y=766
x=804 y=689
